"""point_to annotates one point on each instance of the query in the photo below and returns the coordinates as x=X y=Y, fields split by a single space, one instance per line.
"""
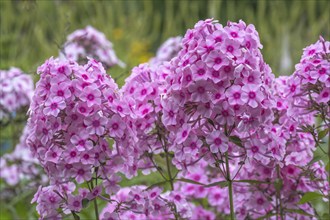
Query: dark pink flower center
x=53 y=106
x=218 y=39
x=254 y=149
x=215 y=74
x=143 y=91
x=61 y=69
x=218 y=60
x=260 y=201
x=73 y=154
x=115 y=126
x=153 y=194
x=201 y=89
x=230 y=48
x=322 y=71
x=234 y=34
x=81 y=172
x=82 y=109
x=157 y=207
x=201 y=72
x=76 y=203
x=60 y=93
x=217 y=196
x=227 y=69
x=188 y=78
x=177 y=197
x=250 y=78
x=237 y=95
x=252 y=95
x=90 y=97
x=217 y=141
x=96 y=123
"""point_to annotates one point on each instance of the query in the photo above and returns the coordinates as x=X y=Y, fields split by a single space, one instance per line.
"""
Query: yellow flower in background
x=117 y=33
x=140 y=51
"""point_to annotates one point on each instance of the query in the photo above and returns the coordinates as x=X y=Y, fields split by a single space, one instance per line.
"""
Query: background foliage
x=32 y=31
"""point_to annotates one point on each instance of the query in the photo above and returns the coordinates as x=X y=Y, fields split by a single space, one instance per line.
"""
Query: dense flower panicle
x=68 y=133
x=214 y=110
x=169 y=49
x=219 y=85
x=16 y=91
x=309 y=85
x=89 y=42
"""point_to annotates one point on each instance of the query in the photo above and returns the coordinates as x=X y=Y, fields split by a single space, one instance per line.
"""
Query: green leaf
x=76 y=217
x=310 y=196
x=220 y=183
x=252 y=181
x=85 y=203
x=190 y=181
x=236 y=140
x=325 y=216
x=156 y=184
x=316 y=158
x=327 y=167
x=323 y=133
x=278 y=184
x=298 y=211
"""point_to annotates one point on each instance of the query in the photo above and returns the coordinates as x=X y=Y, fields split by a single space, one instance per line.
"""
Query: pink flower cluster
x=74 y=111
x=218 y=89
x=312 y=75
x=89 y=42
x=169 y=49
x=214 y=114
x=139 y=203
x=16 y=91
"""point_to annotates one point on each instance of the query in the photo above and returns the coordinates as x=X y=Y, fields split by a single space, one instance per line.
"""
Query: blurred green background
x=32 y=31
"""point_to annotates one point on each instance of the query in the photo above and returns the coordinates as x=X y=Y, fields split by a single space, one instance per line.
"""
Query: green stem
x=96 y=209
x=169 y=171
x=230 y=190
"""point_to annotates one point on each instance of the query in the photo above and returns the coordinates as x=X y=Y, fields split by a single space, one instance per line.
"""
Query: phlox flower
x=217 y=141
x=91 y=95
x=53 y=154
x=81 y=141
x=83 y=173
x=116 y=126
x=74 y=203
x=95 y=124
x=231 y=47
x=200 y=91
x=251 y=95
x=183 y=133
x=169 y=114
x=53 y=106
x=216 y=60
x=61 y=90
x=234 y=95
x=199 y=69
